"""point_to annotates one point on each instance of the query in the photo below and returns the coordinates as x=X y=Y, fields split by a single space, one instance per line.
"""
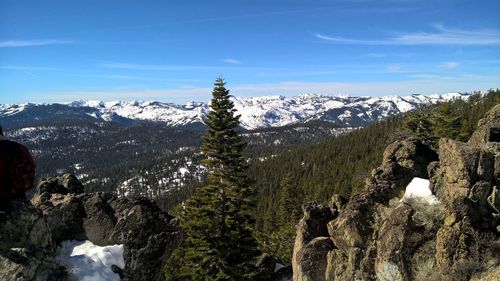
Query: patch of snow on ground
x=420 y=188
x=88 y=262
x=183 y=171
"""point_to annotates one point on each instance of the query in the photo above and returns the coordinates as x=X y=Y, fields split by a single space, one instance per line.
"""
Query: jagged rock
x=149 y=235
x=374 y=240
x=459 y=164
x=28 y=264
x=452 y=243
x=392 y=244
x=486 y=166
x=22 y=225
x=312 y=225
x=352 y=228
x=338 y=202
x=64 y=215
x=311 y=260
x=402 y=161
x=99 y=218
x=63 y=184
x=352 y=231
x=410 y=154
x=494 y=200
x=478 y=194
x=26 y=247
x=488 y=129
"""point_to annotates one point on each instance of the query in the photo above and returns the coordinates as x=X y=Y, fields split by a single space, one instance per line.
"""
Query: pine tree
x=218 y=219
x=419 y=125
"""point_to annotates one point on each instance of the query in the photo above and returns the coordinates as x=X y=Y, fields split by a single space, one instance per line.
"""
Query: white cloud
x=428 y=85
x=31 y=43
x=18 y=67
x=442 y=36
x=375 y=55
x=156 y=67
x=198 y=94
x=449 y=65
x=417 y=84
x=31 y=74
x=393 y=68
x=232 y=61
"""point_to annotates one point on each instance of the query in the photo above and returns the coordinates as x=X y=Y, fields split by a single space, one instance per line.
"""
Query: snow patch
x=88 y=262
x=422 y=189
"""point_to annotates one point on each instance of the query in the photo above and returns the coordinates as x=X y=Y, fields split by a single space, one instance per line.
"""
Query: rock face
x=60 y=211
x=311 y=242
x=26 y=246
x=376 y=237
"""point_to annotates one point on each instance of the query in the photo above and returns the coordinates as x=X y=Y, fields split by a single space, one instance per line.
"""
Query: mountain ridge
x=256 y=112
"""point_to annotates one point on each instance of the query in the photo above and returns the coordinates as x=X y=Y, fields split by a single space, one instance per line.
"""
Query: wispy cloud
x=32 y=43
x=418 y=83
x=375 y=55
x=156 y=67
x=198 y=94
x=441 y=36
x=232 y=61
x=31 y=74
x=449 y=65
x=393 y=68
x=18 y=67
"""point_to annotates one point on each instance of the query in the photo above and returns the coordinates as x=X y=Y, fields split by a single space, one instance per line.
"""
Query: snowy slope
x=256 y=112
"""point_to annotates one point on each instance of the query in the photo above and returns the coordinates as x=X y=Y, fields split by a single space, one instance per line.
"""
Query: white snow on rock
x=420 y=188
x=88 y=262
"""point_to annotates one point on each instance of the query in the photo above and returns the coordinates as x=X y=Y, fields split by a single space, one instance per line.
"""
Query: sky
x=172 y=51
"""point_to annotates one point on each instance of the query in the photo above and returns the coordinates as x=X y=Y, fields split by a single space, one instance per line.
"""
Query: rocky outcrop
x=375 y=236
x=311 y=242
x=26 y=246
x=60 y=211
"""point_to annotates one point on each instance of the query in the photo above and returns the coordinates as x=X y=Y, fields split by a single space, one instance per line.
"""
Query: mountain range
x=256 y=112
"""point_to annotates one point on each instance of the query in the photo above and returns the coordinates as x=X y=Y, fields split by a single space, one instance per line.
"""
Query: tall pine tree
x=217 y=220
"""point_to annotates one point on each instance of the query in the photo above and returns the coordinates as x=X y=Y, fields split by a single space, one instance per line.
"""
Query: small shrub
x=426 y=214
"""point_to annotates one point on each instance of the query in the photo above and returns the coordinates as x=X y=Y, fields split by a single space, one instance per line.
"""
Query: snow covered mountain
x=256 y=112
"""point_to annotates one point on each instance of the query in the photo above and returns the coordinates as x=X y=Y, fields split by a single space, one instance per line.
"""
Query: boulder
x=458 y=167
x=311 y=260
x=488 y=129
x=311 y=226
x=149 y=235
x=64 y=215
x=26 y=247
x=392 y=245
x=22 y=225
x=411 y=155
x=99 y=219
x=452 y=245
x=30 y=264
x=62 y=184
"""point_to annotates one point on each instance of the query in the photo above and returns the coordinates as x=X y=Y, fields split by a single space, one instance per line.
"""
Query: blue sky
x=64 y=50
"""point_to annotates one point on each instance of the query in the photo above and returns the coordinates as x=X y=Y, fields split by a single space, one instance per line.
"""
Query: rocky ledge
x=31 y=231
x=378 y=236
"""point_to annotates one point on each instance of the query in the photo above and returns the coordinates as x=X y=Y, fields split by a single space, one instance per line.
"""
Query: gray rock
x=63 y=184
x=311 y=260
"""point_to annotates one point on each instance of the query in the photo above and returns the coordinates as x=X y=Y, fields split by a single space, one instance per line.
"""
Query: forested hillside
x=340 y=165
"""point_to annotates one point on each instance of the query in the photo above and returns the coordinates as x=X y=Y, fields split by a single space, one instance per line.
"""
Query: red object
x=17 y=169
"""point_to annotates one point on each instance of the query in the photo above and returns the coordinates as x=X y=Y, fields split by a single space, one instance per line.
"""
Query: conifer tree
x=217 y=221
